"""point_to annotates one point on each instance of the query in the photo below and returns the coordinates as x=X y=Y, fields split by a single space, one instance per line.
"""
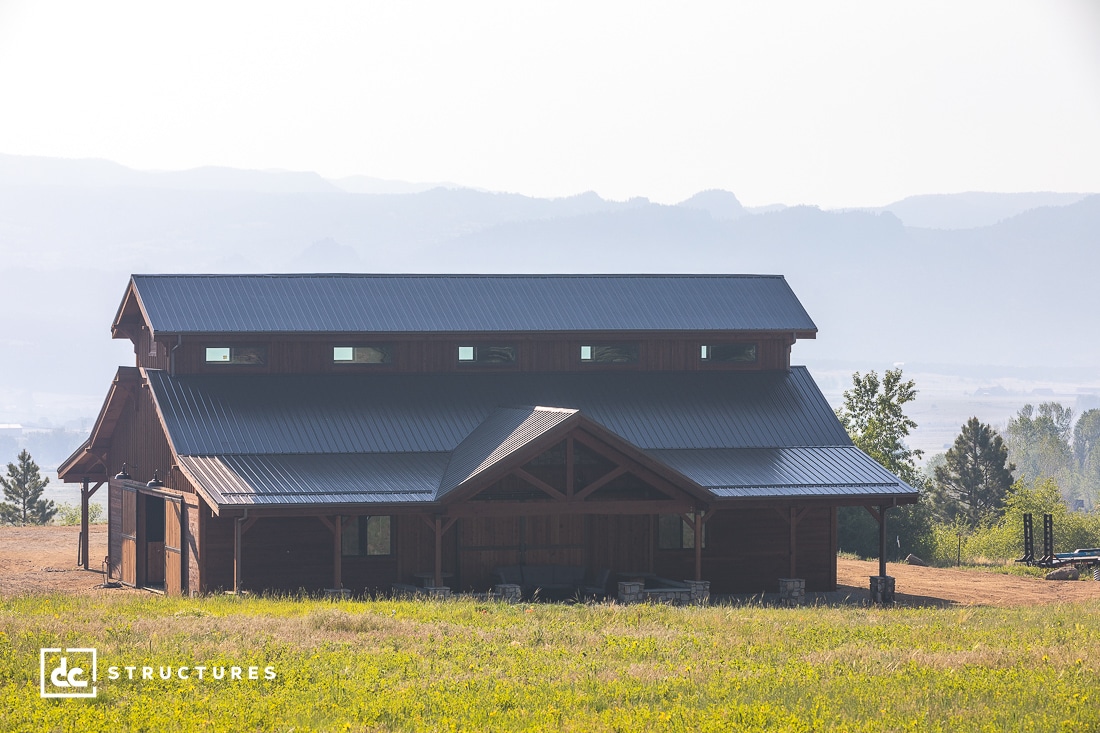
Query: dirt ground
x=917 y=586
x=43 y=560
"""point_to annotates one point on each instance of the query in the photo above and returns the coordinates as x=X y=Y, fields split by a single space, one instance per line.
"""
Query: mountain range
x=972 y=279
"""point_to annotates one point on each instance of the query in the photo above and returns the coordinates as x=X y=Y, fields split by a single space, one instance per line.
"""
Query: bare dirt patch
x=43 y=560
x=917 y=586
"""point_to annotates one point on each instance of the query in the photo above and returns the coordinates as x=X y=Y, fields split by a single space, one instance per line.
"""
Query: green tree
x=873 y=414
x=1086 y=449
x=975 y=478
x=23 y=489
x=1086 y=436
x=1039 y=442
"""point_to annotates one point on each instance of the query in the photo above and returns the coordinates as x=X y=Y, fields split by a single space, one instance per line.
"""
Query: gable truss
x=513 y=485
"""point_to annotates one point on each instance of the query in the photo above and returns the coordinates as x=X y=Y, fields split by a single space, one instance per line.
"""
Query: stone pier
x=792 y=591
x=882 y=590
x=508 y=592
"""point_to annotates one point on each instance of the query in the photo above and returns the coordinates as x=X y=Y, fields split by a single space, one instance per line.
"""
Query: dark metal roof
x=395 y=413
x=785 y=472
x=317 y=479
x=505 y=431
x=324 y=439
x=192 y=304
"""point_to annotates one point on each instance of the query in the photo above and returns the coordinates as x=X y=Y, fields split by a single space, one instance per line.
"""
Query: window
x=674 y=533
x=366 y=536
x=253 y=355
x=728 y=353
x=498 y=355
x=373 y=354
x=609 y=353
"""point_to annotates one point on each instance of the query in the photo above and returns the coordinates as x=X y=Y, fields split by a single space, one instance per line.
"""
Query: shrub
x=69 y=514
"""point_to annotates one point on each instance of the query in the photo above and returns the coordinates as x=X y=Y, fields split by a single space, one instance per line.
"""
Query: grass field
x=389 y=665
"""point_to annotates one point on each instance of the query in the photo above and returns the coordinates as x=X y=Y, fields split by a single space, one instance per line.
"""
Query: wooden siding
x=486 y=543
x=414 y=548
x=289 y=554
x=139 y=441
x=748 y=550
x=621 y=543
x=149 y=353
x=434 y=354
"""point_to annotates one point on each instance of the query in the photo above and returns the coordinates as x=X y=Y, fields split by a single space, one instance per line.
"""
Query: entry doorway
x=148 y=527
x=153 y=541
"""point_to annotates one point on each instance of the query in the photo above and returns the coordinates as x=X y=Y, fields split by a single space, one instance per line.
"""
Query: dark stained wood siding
x=139 y=441
x=293 y=553
x=748 y=551
x=439 y=353
x=621 y=543
x=485 y=543
x=149 y=353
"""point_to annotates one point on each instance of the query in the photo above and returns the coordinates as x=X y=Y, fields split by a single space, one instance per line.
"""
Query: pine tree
x=23 y=489
x=975 y=478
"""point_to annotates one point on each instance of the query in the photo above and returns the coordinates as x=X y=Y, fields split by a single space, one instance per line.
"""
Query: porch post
x=84 y=524
x=793 y=526
x=438 y=579
x=698 y=545
x=882 y=540
x=337 y=553
x=237 y=554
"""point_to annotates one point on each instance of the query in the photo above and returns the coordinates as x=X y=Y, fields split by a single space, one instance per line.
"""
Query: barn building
x=372 y=431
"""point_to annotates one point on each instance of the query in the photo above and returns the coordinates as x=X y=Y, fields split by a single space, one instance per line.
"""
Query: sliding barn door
x=129 y=536
x=173 y=547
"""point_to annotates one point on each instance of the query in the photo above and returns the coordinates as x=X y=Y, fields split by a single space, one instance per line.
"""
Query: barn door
x=173 y=546
x=128 y=567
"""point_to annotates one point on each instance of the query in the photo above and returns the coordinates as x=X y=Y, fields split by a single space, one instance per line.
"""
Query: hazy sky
x=837 y=103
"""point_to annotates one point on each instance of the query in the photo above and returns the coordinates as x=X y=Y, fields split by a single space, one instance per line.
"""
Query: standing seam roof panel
x=416 y=304
x=433 y=413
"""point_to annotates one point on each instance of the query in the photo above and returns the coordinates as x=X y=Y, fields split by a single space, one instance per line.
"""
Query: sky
x=834 y=104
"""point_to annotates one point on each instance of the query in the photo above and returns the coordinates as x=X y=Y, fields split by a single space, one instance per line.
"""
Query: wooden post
x=84 y=524
x=237 y=554
x=438 y=579
x=698 y=545
x=793 y=526
x=569 y=471
x=337 y=553
x=882 y=540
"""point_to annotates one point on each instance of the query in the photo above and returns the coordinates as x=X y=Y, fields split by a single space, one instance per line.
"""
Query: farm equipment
x=1083 y=559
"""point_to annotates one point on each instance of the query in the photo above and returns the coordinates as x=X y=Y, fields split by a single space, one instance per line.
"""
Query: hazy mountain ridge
x=1018 y=292
x=972 y=209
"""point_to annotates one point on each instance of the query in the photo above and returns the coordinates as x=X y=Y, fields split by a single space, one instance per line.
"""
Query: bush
x=1001 y=541
x=69 y=514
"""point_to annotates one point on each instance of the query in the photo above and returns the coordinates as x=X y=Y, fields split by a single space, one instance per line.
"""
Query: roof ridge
x=457 y=275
